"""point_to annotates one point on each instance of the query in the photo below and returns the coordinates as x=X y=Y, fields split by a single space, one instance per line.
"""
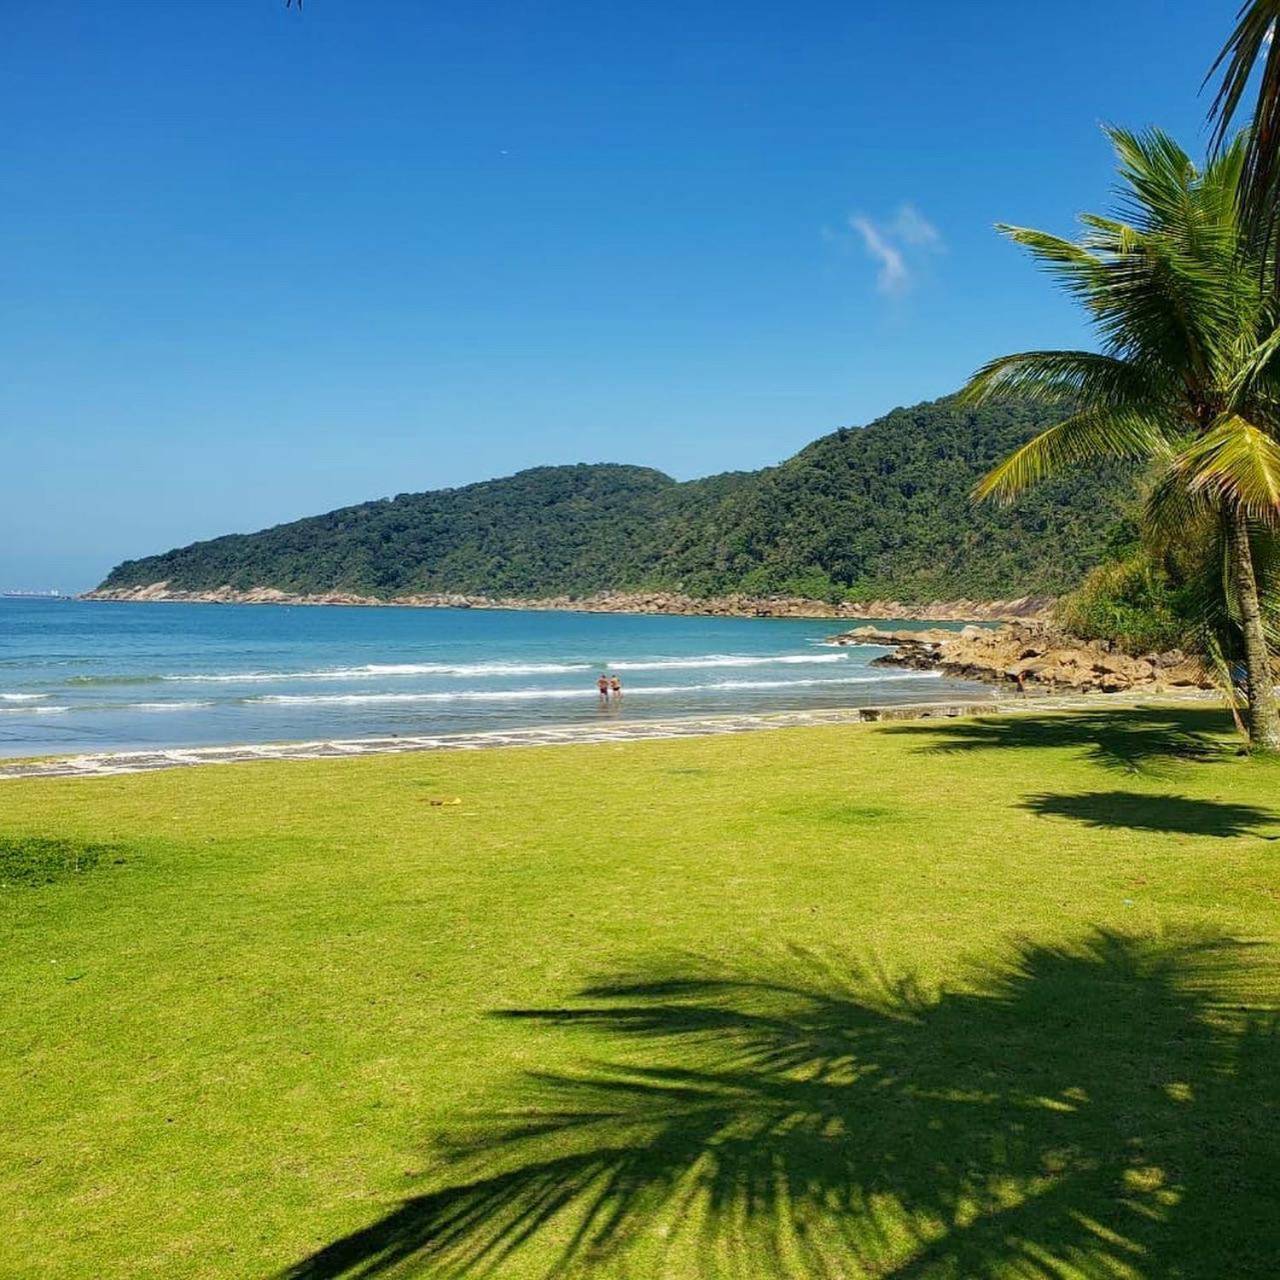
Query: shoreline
x=669 y=603
x=150 y=760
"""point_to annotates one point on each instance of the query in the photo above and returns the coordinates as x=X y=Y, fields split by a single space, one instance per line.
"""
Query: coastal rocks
x=1030 y=654
x=655 y=602
x=161 y=591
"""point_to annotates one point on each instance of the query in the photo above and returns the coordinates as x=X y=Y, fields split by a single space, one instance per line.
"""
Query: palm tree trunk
x=1261 y=715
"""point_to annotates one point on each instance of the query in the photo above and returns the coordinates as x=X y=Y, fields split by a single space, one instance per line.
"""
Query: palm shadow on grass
x=1134 y=740
x=1138 y=812
x=1102 y=1109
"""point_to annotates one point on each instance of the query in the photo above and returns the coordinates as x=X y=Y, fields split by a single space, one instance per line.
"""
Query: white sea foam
x=377 y=699
x=377 y=670
x=507 y=695
x=727 y=660
x=194 y=705
x=22 y=697
x=180 y=705
x=799 y=684
x=463 y=668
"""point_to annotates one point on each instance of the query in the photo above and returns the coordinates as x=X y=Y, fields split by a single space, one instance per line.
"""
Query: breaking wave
x=194 y=705
x=509 y=695
x=377 y=670
x=728 y=660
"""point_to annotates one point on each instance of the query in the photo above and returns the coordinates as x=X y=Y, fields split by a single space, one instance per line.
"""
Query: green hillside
x=882 y=510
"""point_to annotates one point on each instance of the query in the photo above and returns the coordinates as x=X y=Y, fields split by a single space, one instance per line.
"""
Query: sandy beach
x=114 y=763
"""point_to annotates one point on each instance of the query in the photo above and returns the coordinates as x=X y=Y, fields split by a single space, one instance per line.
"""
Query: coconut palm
x=1188 y=377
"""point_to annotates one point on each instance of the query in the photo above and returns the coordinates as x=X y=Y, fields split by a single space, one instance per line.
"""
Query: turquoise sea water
x=97 y=676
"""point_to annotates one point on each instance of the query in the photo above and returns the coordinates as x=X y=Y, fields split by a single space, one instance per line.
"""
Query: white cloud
x=894 y=277
x=913 y=227
x=898 y=245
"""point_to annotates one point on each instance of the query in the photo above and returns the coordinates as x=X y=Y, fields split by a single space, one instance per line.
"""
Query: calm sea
x=89 y=676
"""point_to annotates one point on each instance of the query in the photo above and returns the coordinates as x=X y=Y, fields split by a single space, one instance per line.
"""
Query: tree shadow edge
x=1108 y=1105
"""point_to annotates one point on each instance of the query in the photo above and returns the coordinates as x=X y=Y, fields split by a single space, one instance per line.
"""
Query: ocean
x=88 y=676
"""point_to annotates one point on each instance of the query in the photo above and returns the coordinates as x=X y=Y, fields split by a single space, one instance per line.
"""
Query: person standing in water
x=615 y=688
x=603 y=685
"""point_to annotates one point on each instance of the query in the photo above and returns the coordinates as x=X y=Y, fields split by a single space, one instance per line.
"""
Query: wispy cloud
x=899 y=245
x=894 y=278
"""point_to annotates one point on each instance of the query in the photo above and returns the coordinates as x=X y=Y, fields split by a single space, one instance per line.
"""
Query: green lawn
x=933 y=999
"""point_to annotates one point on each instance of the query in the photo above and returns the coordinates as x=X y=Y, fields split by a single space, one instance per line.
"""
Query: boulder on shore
x=1029 y=653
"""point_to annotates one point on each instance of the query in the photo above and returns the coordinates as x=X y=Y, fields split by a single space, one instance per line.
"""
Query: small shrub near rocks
x=1133 y=605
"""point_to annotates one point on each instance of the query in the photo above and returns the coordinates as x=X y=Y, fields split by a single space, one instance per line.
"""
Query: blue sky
x=257 y=264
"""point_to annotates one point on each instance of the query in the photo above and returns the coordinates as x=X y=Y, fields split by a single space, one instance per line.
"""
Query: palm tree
x=1188 y=377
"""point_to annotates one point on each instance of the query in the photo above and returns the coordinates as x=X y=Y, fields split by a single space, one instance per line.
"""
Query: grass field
x=936 y=999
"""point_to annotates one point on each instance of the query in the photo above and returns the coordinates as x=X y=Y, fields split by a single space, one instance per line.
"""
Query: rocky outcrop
x=1031 y=654
x=669 y=602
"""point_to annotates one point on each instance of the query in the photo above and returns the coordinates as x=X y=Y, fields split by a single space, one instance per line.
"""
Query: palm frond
x=1105 y=235
x=1088 y=436
x=1239 y=464
x=1047 y=247
x=1049 y=377
x=1251 y=38
x=1174 y=516
x=1165 y=283
x=1209 y=601
x=1167 y=308
x=1075 y=266
x=1156 y=176
x=1257 y=373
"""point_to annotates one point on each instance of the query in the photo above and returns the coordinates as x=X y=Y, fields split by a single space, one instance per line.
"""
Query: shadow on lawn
x=1154 y=813
x=1137 y=739
x=1103 y=1109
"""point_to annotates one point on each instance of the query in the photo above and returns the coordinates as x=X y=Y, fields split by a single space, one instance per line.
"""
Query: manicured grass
x=953 y=999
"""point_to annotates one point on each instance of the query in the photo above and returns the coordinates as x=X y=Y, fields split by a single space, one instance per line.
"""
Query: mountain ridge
x=875 y=512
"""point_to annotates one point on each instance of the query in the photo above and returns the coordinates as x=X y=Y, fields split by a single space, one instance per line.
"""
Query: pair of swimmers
x=609 y=686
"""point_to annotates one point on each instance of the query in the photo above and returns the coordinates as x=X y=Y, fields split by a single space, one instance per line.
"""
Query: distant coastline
x=638 y=602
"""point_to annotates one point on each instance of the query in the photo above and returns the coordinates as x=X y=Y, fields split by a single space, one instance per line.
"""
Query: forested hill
x=879 y=511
